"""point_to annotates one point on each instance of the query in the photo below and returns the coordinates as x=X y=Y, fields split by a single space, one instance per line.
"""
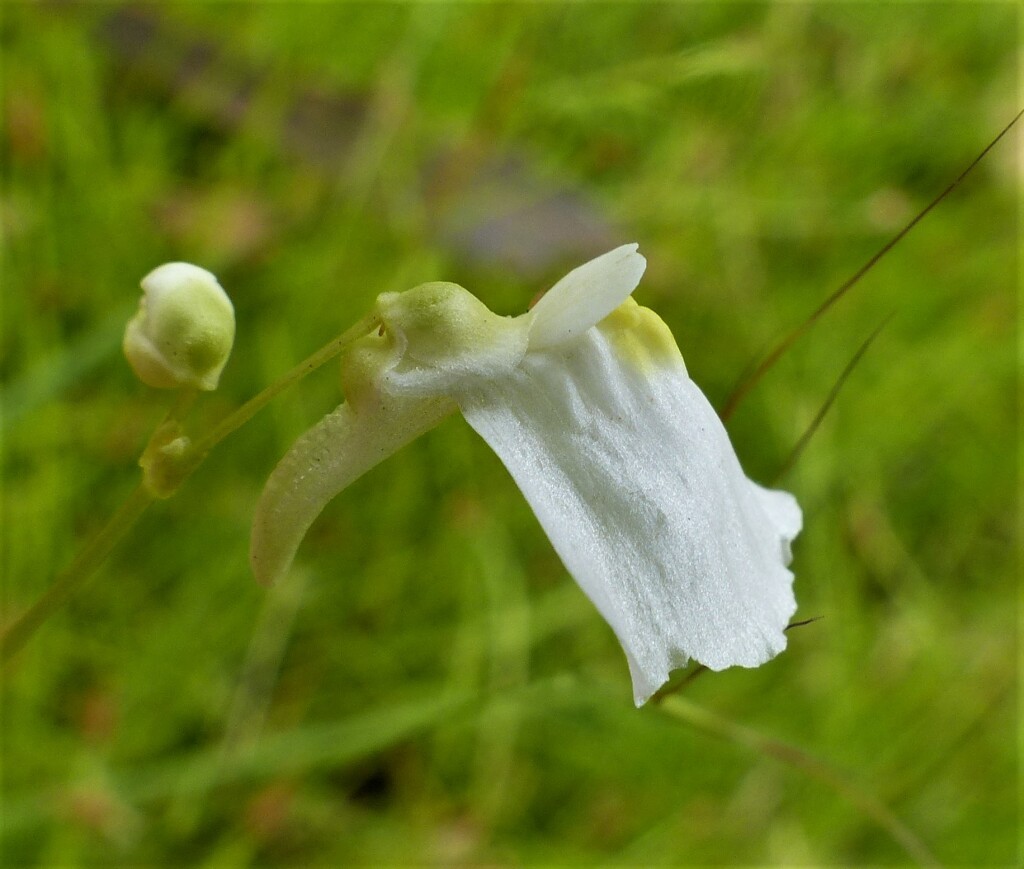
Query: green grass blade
x=835 y=780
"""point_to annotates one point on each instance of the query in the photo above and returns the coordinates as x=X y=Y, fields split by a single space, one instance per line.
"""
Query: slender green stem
x=68 y=582
x=248 y=410
x=834 y=779
x=99 y=547
x=183 y=402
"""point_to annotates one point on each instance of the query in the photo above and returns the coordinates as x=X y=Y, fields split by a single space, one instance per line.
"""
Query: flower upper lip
x=446 y=339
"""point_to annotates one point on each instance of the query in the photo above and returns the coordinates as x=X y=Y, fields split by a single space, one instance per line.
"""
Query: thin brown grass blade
x=676 y=685
x=805 y=438
x=744 y=387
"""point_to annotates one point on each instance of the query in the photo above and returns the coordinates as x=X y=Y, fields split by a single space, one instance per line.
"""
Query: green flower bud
x=183 y=331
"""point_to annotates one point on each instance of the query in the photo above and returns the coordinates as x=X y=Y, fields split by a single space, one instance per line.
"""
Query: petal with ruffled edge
x=634 y=480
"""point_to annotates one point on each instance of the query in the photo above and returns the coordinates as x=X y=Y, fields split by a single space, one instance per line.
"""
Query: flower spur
x=587 y=402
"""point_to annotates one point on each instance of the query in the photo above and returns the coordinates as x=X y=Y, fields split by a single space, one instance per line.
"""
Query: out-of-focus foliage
x=430 y=686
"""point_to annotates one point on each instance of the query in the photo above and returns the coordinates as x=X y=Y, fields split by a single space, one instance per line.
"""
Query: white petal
x=633 y=478
x=335 y=452
x=585 y=296
x=785 y=513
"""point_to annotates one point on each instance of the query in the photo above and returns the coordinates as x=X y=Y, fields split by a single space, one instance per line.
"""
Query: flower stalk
x=91 y=556
x=168 y=460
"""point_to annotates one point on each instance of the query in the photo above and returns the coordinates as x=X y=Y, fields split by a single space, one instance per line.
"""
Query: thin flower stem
x=255 y=404
x=100 y=546
x=183 y=402
x=68 y=582
x=834 y=779
x=93 y=554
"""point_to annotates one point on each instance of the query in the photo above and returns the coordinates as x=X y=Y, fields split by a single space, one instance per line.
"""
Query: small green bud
x=183 y=331
x=167 y=460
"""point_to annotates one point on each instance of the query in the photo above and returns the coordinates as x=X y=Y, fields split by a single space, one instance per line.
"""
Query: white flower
x=183 y=331
x=587 y=402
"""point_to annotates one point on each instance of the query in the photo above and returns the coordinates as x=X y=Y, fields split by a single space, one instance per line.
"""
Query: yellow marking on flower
x=641 y=336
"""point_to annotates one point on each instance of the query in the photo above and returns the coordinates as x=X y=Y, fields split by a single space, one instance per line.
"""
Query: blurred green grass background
x=430 y=686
